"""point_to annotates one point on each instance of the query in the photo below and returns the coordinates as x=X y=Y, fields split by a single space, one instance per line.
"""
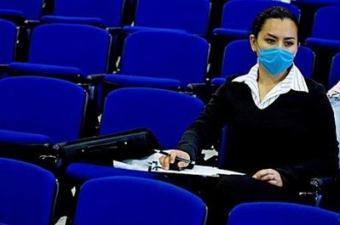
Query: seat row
x=28 y=194
x=165 y=59
x=323 y=35
x=48 y=110
x=170 y=14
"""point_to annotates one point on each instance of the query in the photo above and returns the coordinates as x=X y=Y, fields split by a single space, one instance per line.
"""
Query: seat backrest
x=160 y=54
x=279 y=213
x=166 y=113
x=27 y=193
x=30 y=9
x=132 y=200
x=8 y=33
x=317 y=3
x=241 y=14
x=110 y=11
x=41 y=105
x=239 y=58
x=325 y=23
x=81 y=46
x=334 y=75
x=189 y=15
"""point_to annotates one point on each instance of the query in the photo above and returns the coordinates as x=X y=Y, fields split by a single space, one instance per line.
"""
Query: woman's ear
x=252 y=41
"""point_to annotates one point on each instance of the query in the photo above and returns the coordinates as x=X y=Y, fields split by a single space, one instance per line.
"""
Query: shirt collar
x=293 y=81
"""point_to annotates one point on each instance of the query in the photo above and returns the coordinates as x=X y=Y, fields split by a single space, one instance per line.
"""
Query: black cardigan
x=294 y=135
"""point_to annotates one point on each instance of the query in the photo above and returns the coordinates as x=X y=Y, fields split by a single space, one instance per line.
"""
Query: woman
x=281 y=125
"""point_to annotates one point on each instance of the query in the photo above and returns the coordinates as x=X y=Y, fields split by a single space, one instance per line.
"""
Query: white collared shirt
x=293 y=81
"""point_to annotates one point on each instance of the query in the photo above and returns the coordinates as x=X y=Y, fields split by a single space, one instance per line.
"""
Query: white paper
x=144 y=165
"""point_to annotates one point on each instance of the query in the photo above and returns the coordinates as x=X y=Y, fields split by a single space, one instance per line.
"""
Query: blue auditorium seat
x=36 y=110
x=238 y=16
x=132 y=201
x=239 y=58
x=104 y=12
x=325 y=33
x=161 y=59
x=67 y=51
x=21 y=9
x=8 y=31
x=334 y=76
x=316 y=2
x=27 y=193
x=166 y=113
x=191 y=16
x=280 y=213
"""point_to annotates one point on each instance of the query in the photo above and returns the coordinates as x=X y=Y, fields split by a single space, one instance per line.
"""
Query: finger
x=182 y=164
x=274 y=182
x=259 y=174
x=166 y=163
x=161 y=160
x=256 y=176
x=264 y=172
x=268 y=177
x=173 y=155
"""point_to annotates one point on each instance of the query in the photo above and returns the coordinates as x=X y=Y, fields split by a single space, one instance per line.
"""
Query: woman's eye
x=289 y=43
x=270 y=41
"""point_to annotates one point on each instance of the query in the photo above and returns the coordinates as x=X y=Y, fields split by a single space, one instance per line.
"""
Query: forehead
x=279 y=27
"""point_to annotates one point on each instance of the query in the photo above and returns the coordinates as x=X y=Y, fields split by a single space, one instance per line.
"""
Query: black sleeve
x=323 y=157
x=208 y=125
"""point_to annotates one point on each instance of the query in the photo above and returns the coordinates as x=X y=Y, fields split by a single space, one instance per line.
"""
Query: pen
x=177 y=158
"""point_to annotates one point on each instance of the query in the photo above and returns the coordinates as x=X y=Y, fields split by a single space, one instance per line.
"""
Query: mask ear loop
x=258 y=53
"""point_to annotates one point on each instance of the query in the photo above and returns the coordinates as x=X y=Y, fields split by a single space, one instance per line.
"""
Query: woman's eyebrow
x=289 y=38
x=272 y=35
x=285 y=38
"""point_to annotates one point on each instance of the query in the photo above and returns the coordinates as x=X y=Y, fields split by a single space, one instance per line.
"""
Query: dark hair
x=276 y=12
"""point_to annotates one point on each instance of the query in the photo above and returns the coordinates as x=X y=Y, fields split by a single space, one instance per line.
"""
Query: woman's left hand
x=269 y=175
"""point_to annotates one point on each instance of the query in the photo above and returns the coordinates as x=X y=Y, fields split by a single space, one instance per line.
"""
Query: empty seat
x=239 y=58
x=190 y=16
x=19 y=9
x=131 y=201
x=105 y=12
x=238 y=16
x=162 y=59
x=67 y=51
x=27 y=193
x=334 y=76
x=316 y=2
x=8 y=40
x=40 y=110
x=324 y=33
x=279 y=213
x=129 y=108
x=166 y=113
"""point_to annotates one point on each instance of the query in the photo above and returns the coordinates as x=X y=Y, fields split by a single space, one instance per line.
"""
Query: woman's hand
x=269 y=175
x=166 y=160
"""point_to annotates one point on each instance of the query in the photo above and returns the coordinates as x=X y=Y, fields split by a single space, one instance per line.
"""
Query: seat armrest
x=3 y=68
x=115 y=30
x=317 y=188
x=95 y=78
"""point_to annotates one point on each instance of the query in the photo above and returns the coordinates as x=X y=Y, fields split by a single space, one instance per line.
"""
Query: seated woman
x=281 y=125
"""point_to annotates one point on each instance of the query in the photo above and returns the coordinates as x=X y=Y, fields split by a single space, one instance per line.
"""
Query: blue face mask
x=275 y=60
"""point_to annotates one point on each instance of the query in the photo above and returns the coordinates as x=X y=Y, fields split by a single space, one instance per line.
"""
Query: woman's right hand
x=166 y=160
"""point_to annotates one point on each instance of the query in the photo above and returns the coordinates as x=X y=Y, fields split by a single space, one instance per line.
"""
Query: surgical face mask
x=275 y=60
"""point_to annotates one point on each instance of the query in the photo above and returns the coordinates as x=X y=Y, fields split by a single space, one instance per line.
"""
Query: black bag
x=132 y=144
